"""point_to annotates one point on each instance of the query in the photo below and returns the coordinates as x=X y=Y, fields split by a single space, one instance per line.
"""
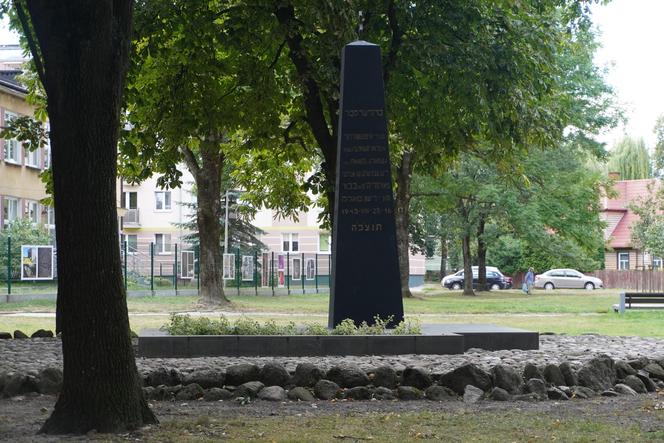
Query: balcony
x=131 y=218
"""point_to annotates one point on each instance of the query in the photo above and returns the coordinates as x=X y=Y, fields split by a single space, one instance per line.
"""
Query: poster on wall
x=229 y=266
x=247 y=268
x=36 y=262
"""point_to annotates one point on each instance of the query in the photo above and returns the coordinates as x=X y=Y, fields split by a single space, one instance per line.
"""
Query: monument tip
x=361 y=43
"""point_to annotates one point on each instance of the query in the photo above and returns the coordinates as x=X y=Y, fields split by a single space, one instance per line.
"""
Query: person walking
x=530 y=281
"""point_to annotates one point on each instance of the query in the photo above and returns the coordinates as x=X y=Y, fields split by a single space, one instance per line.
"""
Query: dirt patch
x=641 y=417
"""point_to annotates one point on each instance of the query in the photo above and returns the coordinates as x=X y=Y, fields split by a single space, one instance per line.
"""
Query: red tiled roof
x=629 y=191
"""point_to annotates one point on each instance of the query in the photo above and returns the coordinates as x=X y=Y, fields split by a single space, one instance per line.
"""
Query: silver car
x=567 y=279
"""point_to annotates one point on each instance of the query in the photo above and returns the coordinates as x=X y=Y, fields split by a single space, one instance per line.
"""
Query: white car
x=567 y=279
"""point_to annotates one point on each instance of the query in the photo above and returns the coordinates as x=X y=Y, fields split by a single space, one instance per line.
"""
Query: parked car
x=567 y=279
x=494 y=279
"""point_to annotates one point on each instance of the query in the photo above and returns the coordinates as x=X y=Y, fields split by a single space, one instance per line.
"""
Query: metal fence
x=152 y=268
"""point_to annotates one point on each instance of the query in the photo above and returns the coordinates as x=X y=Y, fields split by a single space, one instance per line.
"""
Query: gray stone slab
x=440 y=344
x=344 y=345
x=391 y=344
x=262 y=345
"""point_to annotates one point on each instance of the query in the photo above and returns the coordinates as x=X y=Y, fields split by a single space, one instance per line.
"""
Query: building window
x=290 y=243
x=12 y=147
x=296 y=271
x=657 y=263
x=162 y=200
x=32 y=212
x=32 y=158
x=162 y=243
x=324 y=243
x=132 y=243
x=311 y=269
x=9 y=210
x=130 y=200
x=623 y=261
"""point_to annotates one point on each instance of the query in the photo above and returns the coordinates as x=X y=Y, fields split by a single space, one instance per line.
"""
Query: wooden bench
x=639 y=300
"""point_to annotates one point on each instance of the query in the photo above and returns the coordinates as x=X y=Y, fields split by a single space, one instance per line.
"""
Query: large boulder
x=568 y=374
x=216 y=394
x=416 y=377
x=638 y=363
x=358 y=393
x=440 y=393
x=326 y=389
x=654 y=370
x=192 y=391
x=272 y=393
x=623 y=369
x=623 y=389
x=18 y=334
x=553 y=375
x=237 y=375
x=274 y=374
x=472 y=394
x=385 y=376
x=468 y=374
x=307 y=375
x=205 y=378
x=15 y=384
x=42 y=333
x=556 y=394
x=300 y=393
x=348 y=376
x=532 y=371
x=5 y=335
x=383 y=393
x=635 y=383
x=538 y=387
x=583 y=392
x=409 y=393
x=249 y=389
x=49 y=381
x=598 y=374
x=507 y=378
x=163 y=376
x=647 y=381
x=499 y=394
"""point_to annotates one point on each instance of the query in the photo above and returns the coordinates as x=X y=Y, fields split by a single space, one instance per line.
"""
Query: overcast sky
x=632 y=38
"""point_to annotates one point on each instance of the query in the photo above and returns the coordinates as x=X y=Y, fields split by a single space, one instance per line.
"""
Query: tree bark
x=208 y=215
x=481 y=255
x=402 y=204
x=84 y=49
x=443 y=254
x=467 y=265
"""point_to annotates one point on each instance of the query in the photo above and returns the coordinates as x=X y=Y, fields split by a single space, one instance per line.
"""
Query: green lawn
x=571 y=312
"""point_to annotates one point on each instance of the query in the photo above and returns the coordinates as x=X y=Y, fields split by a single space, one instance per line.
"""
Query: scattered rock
x=499 y=394
x=348 y=376
x=383 y=393
x=507 y=378
x=326 y=389
x=553 y=375
x=216 y=394
x=307 y=375
x=49 y=381
x=440 y=393
x=538 y=387
x=623 y=389
x=272 y=393
x=468 y=374
x=568 y=374
x=532 y=371
x=242 y=373
x=409 y=393
x=654 y=370
x=598 y=374
x=249 y=389
x=42 y=333
x=274 y=374
x=623 y=369
x=609 y=393
x=300 y=393
x=192 y=391
x=19 y=334
x=163 y=376
x=556 y=394
x=206 y=378
x=472 y=394
x=386 y=377
x=647 y=381
x=5 y=335
x=583 y=392
x=358 y=393
x=416 y=377
x=635 y=383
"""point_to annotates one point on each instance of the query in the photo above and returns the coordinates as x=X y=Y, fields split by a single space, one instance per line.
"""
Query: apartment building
x=21 y=189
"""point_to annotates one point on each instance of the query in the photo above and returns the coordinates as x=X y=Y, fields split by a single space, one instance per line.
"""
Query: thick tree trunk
x=208 y=215
x=467 y=265
x=401 y=204
x=481 y=255
x=85 y=52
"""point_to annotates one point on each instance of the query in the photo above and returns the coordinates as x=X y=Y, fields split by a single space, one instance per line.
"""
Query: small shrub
x=315 y=329
x=408 y=327
x=346 y=327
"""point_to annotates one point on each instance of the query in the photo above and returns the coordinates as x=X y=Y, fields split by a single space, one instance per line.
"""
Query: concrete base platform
x=435 y=339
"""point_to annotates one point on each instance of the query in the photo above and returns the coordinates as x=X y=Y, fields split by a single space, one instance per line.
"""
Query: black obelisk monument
x=365 y=264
